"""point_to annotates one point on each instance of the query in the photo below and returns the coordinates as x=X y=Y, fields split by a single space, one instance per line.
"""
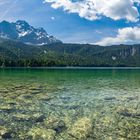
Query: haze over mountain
x=23 y=32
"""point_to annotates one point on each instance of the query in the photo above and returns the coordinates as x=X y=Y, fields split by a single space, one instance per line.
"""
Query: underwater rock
x=109 y=98
x=36 y=88
x=24 y=99
x=35 y=92
x=61 y=88
x=5 y=133
x=21 y=117
x=87 y=88
x=132 y=98
x=38 y=117
x=72 y=107
x=6 y=109
x=129 y=129
x=34 y=117
x=66 y=98
x=19 y=87
x=11 y=102
x=55 y=124
x=59 y=126
x=44 y=97
x=2 y=122
x=81 y=128
x=41 y=134
x=65 y=136
x=4 y=90
x=27 y=96
x=129 y=113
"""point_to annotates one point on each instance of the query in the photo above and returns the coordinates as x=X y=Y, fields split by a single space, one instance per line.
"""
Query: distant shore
x=70 y=68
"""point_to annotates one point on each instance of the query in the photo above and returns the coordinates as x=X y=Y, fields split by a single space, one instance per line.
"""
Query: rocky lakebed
x=78 y=109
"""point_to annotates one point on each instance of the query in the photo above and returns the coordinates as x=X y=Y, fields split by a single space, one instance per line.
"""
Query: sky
x=102 y=22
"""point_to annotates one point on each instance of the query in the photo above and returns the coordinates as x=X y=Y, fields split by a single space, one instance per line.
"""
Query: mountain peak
x=4 y=22
x=22 y=23
x=24 y=32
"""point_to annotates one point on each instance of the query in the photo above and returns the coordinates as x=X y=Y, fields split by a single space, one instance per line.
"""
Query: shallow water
x=70 y=104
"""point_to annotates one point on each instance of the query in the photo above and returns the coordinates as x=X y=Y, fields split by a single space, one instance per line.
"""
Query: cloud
x=52 y=18
x=95 y=9
x=128 y=35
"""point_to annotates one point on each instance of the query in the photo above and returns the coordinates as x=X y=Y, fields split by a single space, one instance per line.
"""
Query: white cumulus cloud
x=94 y=9
x=128 y=35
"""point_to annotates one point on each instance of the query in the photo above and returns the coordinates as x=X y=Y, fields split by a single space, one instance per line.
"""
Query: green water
x=70 y=104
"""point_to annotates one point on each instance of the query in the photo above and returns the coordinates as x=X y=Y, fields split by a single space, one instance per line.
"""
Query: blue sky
x=103 y=22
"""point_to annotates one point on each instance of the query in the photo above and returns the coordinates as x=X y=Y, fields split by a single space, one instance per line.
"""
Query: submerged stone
x=129 y=113
x=2 y=122
x=11 y=102
x=81 y=129
x=5 y=133
x=38 y=117
x=59 y=126
x=4 y=90
x=36 y=88
x=55 y=124
x=44 y=97
x=35 y=92
x=21 y=117
x=27 y=96
x=5 y=108
x=41 y=134
x=109 y=98
x=132 y=98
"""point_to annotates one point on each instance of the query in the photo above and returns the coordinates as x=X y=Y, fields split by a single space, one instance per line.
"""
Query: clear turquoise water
x=109 y=98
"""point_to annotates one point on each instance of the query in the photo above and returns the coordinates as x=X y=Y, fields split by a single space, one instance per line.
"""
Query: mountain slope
x=22 y=31
x=18 y=54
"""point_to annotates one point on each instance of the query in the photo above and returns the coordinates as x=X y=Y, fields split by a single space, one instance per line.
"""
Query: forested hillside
x=16 y=54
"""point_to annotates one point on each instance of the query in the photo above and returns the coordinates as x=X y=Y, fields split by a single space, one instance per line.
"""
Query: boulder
x=81 y=129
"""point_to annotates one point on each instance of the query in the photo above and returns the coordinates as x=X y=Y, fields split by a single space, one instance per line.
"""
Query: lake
x=70 y=104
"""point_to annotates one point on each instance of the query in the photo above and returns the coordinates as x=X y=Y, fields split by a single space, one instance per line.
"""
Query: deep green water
x=70 y=104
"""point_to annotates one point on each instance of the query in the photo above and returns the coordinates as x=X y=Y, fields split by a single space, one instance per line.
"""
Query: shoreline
x=75 y=68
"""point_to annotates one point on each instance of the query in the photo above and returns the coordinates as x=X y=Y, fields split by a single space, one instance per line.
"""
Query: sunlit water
x=70 y=104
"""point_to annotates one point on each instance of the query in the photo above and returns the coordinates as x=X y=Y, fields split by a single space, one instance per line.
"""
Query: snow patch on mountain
x=22 y=31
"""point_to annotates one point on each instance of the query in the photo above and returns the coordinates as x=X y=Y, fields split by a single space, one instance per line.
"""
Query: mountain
x=17 y=54
x=22 y=31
